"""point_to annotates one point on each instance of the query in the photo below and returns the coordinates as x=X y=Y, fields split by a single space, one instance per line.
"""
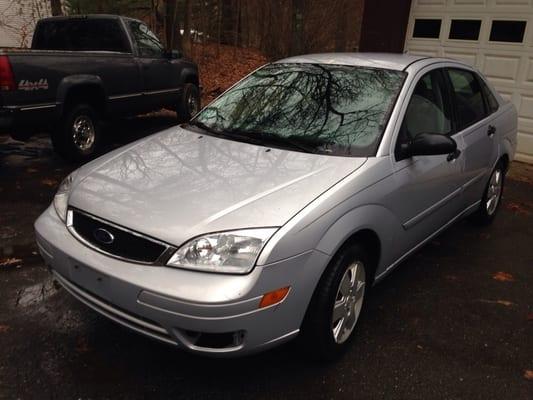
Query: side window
x=105 y=34
x=468 y=97
x=491 y=100
x=429 y=109
x=148 y=45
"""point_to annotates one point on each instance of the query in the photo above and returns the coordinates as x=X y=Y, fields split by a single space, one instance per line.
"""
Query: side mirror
x=172 y=54
x=428 y=144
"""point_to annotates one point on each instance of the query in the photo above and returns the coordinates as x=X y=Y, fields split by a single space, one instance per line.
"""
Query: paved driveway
x=453 y=322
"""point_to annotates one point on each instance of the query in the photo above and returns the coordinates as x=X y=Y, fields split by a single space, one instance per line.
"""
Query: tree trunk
x=186 y=38
x=55 y=6
x=170 y=23
x=342 y=21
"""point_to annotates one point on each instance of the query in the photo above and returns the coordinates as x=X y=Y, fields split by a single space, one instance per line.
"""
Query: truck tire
x=189 y=103
x=78 y=134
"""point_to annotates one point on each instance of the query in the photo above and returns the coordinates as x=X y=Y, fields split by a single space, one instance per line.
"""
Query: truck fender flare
x=188 y=75
x=74 y=81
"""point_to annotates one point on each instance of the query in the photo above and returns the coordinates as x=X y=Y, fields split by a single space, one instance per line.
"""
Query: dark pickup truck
x=83 y=70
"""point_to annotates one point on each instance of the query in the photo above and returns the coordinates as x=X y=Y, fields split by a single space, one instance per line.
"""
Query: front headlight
x=233 y=252
x=61 y=197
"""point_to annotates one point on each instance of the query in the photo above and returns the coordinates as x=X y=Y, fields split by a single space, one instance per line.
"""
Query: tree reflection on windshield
x=331 y=109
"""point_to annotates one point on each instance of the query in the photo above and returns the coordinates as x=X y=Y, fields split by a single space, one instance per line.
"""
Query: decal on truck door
x=27 y=85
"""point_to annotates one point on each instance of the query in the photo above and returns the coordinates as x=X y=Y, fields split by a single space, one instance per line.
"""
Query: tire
x=325 y=334
x=492 y=196
x=78 y=134
x=189 y=103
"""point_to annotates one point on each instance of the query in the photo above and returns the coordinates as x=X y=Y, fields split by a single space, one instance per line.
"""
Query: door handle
x=454 y=155
x=491 y=130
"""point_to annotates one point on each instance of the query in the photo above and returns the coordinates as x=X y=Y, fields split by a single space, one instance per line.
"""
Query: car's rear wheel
x=338 y=301
x=492 y=196
x=78 y=134
x=189 y=103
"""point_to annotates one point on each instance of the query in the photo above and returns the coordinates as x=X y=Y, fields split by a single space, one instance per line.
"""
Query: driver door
x=427 y=191
x=160 y=82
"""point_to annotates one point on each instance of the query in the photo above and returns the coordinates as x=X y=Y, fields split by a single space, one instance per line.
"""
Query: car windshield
x=317 y=108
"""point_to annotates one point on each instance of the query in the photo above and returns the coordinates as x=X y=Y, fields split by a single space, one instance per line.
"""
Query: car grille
x=123 y=243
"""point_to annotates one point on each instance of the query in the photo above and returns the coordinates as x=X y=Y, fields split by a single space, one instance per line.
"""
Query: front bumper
x=200 y=312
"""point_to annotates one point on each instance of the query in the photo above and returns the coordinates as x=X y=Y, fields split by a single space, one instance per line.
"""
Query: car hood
x=178 y=184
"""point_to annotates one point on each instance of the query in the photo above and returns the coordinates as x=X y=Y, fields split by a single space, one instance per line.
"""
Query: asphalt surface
x=455 y=321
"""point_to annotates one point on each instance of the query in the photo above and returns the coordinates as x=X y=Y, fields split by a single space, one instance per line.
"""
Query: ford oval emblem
x=103 y=236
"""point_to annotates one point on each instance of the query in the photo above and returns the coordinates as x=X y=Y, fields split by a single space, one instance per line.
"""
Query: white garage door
x=495 y=36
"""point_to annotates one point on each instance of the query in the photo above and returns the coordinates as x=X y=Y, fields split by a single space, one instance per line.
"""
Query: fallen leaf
x=83 y=345
x=503 y=277
x=518 y=208
x=49 y=182
x=4 y=328
x=8 y=262
x=530 y=316
x=506 y=303
x=528 y=374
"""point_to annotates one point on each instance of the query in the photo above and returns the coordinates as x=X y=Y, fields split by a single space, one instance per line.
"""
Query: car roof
x=393 y=61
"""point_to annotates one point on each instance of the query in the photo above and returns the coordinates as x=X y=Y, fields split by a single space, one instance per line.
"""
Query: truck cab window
x=80 y=35
x=148 y=45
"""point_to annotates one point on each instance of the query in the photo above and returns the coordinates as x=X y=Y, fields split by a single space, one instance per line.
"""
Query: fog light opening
x=274 y=297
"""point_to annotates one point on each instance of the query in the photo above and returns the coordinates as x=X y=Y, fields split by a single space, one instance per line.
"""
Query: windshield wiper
x=264 y=138
x=269 y=138
x=203 y=126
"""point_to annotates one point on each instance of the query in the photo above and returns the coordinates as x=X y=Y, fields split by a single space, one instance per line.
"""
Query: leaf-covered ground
x=221 y=68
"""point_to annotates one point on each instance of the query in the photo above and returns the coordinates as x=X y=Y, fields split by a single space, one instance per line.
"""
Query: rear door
x=160 y=82
x=477 y=127
x=427 y=192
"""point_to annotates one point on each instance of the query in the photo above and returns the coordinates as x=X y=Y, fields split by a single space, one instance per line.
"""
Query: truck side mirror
x=173 y=54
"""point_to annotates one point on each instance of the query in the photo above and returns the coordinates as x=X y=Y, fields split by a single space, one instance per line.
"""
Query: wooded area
x=278 y=28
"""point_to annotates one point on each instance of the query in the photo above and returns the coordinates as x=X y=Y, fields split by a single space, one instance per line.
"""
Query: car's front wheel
x=332 y=316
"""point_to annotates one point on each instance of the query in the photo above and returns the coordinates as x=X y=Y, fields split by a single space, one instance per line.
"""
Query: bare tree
x=55 y=7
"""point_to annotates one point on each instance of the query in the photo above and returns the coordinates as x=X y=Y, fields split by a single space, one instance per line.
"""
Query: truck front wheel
x=189 y=103
x=78 y=134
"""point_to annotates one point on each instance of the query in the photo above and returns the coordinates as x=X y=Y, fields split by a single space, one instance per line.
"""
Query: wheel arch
x=78 y=89
x=190 y=76
x=374 y=226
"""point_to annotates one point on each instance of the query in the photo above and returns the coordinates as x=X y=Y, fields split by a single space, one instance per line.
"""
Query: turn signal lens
x=274 y=297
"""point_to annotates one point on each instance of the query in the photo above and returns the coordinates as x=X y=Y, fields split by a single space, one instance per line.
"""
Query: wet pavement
x=455 y=321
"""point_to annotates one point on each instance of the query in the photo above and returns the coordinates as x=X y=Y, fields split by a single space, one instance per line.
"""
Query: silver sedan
x=273 y=212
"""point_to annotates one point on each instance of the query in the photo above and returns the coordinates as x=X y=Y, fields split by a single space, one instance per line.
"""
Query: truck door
x=160 y=82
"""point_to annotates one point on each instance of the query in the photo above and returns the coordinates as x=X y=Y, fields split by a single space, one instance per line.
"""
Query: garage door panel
x=430 y=2
x=469 y=2
x=525 y=111
x=424 y=51
x=467 y=58
x=529 y=72
x=501 y=67
x=525 y=146
x=508 y=3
